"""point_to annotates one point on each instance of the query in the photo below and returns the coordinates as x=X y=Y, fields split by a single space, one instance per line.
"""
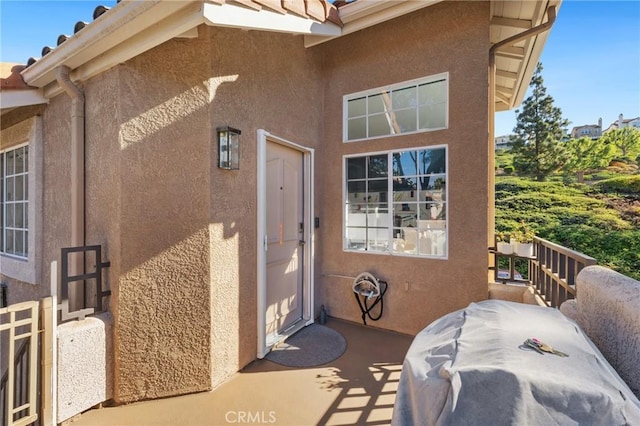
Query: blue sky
x=591 y=58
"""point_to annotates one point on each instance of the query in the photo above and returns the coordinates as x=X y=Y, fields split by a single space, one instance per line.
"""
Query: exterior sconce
x=228 y=148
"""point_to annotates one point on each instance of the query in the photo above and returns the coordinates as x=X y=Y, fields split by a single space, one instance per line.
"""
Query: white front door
x=285 y=239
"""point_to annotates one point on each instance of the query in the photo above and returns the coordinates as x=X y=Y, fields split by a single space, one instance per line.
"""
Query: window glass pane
x=9 y=162
x=356 y=190
x=378 y=186
x=19 y=215
x=404 y=214
x=19 y=243
x=433 y=188
x=434 y=92
x=379 y=125
x=20 y=155
x=406 y=120
x=9 y=247
x=404 y=163
x=433 y=211
x=9 y=219
x=379 y=103
x=26 y=187
x=356 y=168
x=434 y=182
x=9 y=189
x=357 y=128
x=357 y=107
x=432 y=116
x=356 y=237
x=26 y=158
x=404 y=98
x=378 y=239
x=432 y=161
x=404 y=189
x=378 y=166
x=19 y=188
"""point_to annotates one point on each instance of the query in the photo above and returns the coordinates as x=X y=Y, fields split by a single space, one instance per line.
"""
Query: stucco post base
x=85 y=364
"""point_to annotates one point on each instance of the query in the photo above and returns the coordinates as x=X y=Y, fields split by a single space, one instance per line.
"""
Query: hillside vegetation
x=600 y=219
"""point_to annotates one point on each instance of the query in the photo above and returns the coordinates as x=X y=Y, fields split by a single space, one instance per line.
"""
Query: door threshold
x=276 y=339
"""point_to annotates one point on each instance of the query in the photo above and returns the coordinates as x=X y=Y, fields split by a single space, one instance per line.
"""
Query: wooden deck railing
x=551 y=271
x=554 y=269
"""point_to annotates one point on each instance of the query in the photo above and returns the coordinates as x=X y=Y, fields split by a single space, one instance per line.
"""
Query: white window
x=14 y=199
x=396 y=202
x=21 y=203
x=410 y=107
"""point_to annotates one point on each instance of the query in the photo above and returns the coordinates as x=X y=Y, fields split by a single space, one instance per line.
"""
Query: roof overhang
x=362 y=14
x=133 y=27
x=515 y=64
x=12 y=99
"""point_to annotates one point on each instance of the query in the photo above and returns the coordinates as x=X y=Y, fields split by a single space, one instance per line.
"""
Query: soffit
x=515 y=64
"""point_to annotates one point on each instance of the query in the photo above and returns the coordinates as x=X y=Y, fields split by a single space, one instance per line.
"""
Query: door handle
x=301 y=243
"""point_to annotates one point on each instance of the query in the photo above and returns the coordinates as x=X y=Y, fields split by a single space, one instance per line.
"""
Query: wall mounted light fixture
x=228 y=148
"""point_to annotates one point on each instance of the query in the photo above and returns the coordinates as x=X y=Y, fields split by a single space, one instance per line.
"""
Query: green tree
x=626 y=140
x=540 y=127
x=586 y=154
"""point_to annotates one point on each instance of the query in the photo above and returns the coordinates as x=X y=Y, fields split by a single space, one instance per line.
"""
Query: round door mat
x=312 y=346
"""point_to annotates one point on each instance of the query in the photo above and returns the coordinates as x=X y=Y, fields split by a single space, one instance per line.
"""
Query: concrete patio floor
x=357 y=388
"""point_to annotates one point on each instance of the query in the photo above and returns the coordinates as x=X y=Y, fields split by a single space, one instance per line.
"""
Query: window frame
x=28 y=269
x=390 y=203
x=390 y=88
x=4 y=203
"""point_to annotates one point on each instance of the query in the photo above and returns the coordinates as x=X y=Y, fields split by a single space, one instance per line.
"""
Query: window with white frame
x=14 y=196
x=396 y=202
x=410 y=107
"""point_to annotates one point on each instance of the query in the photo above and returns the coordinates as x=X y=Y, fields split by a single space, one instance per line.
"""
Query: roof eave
x=362 y=14
x=12 y=99
x=127 y=21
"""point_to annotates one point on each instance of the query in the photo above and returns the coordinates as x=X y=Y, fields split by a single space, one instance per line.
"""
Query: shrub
x=508 y=170
x=620 y=185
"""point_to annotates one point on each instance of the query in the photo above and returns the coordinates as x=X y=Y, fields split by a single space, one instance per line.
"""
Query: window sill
x=18 y=268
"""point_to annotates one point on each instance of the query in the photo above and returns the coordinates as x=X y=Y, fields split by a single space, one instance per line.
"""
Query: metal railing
x=551 y=271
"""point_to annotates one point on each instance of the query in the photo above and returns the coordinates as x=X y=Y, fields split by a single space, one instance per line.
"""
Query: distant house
x=621 y=123
x=363 y=147
x=592 y=131
x=503 y=142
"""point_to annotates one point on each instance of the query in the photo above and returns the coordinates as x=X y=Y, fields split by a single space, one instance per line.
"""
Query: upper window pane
x=379 y=125
x=432 y=93
x=358 y=128
x=357 y=107
x=379 y=103
x=409 y=107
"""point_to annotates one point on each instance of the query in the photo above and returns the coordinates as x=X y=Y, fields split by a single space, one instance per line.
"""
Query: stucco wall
x=162 y=332
x=451 y=37
x=259 y=81
x=181 y=233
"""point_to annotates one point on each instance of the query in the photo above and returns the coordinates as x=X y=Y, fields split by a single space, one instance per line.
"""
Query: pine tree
x=537 y=146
